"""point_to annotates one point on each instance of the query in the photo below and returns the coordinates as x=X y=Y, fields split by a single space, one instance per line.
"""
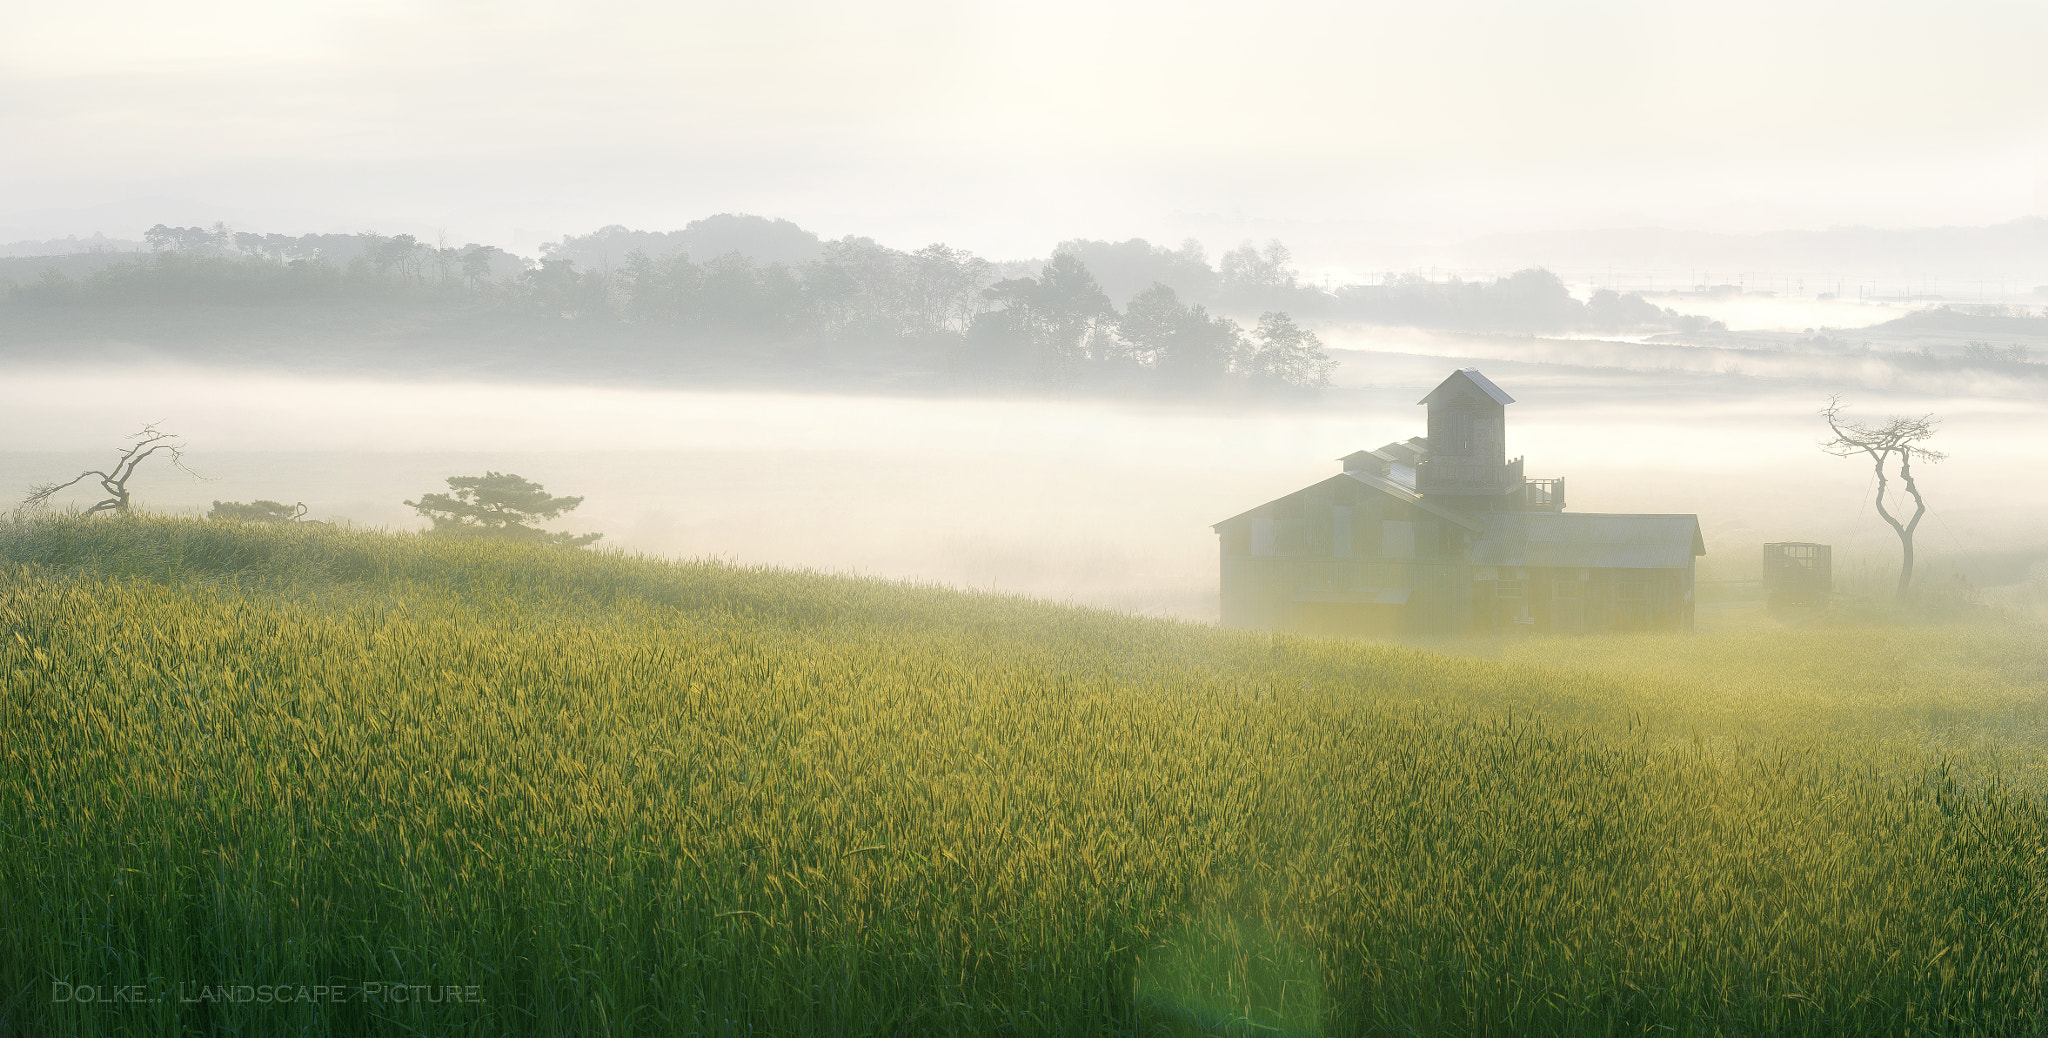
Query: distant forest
x=1096 y=313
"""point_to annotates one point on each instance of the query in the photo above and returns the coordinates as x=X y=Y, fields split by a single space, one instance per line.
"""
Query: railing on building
x=1543 y=495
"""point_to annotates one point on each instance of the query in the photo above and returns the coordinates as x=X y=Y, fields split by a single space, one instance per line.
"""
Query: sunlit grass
x=1975 y=693
x=634 y=797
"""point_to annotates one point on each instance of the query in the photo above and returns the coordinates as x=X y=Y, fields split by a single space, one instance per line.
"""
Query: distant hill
x=26 y=268
x=1983 y=322
x=98 y=244
x=2008 y=332
x=2016 y=251
x=756 y=237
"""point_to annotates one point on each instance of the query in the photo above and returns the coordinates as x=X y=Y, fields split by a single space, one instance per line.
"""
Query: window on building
x=1507 y=589
x=1570 y=589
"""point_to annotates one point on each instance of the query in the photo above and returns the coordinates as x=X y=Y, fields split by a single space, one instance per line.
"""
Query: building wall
x=1573 y=601
x=1446 y=595
x=1339 y=535
x=1259 y=592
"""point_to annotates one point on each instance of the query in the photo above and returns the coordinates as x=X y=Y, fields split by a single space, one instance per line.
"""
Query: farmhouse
x=1443 y=534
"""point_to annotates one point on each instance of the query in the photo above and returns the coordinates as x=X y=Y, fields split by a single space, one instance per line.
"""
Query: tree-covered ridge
x=1048 y=326
x=1123 y=314
x=1533 y=301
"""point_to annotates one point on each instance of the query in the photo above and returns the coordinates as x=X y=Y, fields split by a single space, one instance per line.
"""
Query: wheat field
x=278 y=780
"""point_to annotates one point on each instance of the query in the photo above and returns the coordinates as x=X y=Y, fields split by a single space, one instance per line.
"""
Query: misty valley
x=937 y=720
x=765 y=303
x=948 y=519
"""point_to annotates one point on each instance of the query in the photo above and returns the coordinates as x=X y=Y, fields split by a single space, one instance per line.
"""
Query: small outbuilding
x=1444 y=534
x=1798 y=575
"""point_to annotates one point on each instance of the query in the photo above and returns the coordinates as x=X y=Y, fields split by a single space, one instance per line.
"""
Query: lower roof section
x=1588 y=540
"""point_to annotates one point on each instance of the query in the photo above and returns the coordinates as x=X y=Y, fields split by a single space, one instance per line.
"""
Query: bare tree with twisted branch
x=114 y=481
x=1896 y=437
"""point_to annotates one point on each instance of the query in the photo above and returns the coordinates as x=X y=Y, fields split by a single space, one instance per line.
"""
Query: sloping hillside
x=1949 y=323
x=310 y=781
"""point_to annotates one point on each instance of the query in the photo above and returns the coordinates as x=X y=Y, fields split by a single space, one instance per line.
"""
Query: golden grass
x=632 y=797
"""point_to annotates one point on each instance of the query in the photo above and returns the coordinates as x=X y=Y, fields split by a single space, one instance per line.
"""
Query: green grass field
x=264 y=780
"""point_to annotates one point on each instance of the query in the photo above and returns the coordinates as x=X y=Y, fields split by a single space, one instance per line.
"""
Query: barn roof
x=1472 y=377
x=1589 y=540
x=1391 y=487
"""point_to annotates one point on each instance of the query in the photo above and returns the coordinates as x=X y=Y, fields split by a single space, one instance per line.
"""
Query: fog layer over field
x=1096 y=501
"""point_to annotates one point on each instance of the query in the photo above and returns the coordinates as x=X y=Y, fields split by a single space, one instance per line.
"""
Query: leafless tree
x=1896 y=438
x=114 y=481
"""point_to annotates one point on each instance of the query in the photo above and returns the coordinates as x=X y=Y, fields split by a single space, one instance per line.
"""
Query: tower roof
x=1471 y=377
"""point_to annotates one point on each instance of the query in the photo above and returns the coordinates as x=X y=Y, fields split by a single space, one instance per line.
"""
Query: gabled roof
x=1406 y=452
x=1394 y=488
x=1472 y=377
x=1589 y=540
x=1399 y=480
x=1391 y=488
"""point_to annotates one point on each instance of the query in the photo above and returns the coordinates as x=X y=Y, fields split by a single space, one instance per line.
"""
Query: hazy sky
x=1006 y=127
